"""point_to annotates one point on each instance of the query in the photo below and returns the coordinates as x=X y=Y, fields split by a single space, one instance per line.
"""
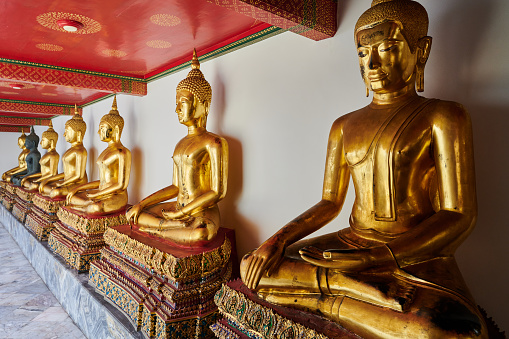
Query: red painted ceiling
x=123 y=44
x=120 y=38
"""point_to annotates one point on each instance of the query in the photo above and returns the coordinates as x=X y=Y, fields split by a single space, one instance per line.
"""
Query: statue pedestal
x=22 y=203
x=9 y=195
x=165 y=290
x=248 y=316
x=43 y=217
x=78 y=237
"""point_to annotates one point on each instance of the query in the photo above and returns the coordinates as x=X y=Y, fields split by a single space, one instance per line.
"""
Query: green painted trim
x=72 y=70
x=97 y=100
x=38 y=103
x=251 y=39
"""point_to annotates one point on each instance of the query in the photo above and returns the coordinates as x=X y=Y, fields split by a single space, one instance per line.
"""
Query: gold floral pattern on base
x=90 y=225
x=47 y=204
x=259 y=321
x=174 y=268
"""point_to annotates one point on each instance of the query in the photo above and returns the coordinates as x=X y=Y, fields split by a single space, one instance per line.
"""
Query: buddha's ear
x=116 y=129
x=206 y=106
x=423 y=49
x=79 y=137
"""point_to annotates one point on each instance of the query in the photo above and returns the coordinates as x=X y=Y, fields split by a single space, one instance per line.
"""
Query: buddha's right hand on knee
x=264 y=260
x=133 y=214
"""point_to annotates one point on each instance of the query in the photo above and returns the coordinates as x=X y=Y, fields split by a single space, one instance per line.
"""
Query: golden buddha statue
x=392 y=273
x=48 y=162
x=22 y=165
x=200 y=172
x=74 y=161
x=109 y=193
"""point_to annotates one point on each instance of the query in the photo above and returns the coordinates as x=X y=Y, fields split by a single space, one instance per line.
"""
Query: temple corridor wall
x=275 y=101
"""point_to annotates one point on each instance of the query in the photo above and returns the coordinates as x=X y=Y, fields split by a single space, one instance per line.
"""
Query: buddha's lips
x=377 y=76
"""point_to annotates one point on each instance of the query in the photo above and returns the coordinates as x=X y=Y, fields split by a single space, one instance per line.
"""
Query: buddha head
x=49 y=137
x=32 y=140
x=393 y=45
x=75 y=128
x=194 y=95
x=111 y=125
x=21 y=140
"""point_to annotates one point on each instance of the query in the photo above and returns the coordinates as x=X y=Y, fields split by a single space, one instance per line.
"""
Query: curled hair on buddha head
x=411 y=17
x=113 y=118
x=77 y=123
x=32 y=137
x=50 y=134
x=195 y=82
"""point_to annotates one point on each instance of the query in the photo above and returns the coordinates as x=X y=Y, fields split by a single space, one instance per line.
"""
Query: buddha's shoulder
x=447 y=112
x=215 y=140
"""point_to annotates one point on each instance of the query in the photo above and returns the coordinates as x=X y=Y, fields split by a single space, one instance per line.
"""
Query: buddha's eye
x=387 y=49
x=362 y=54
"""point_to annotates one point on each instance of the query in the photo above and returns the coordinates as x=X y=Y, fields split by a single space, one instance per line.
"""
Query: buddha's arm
x=218 y=154
x=268 y=256
x=30 y=177
x=441 y=234
x=79 y=169
x=83 y=187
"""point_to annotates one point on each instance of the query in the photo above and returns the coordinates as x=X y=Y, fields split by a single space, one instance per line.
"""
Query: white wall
x=275 y=101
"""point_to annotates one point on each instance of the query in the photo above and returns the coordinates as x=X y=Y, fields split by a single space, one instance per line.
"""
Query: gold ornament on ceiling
x=49 y=20
x=116 y=53
x=165 y=20
x=5 y=92
x=158 y=44
x=49 y=47
x=49 y=94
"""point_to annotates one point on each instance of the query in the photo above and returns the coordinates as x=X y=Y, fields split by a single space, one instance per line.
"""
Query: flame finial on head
x=113 y=118
x=195 y=82
x=76 y=122
x=50 y=133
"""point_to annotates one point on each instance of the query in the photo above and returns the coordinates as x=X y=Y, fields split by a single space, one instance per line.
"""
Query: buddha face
x=386 y=61
x=45 y=143
x=21 y=142
x=70 y=134
x=186 y=108
x=105 y=132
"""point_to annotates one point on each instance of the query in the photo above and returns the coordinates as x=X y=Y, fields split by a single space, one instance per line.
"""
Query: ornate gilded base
x=78 y=238
x=21 y=207
x=248 y=316
x=8 y=195
x=166 y=291
x=41 y=220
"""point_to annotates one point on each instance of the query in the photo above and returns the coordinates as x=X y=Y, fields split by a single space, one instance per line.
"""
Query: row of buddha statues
x=392 y=271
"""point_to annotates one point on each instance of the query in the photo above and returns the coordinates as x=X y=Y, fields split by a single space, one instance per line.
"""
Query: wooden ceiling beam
x=17 y=106
x=22 y=121
x=15 y=129
x=77 y=79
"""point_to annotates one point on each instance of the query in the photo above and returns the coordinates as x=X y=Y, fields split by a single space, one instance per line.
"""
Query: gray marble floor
x=27 y=307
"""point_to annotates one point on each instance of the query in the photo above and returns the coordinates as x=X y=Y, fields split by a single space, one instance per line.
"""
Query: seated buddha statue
x=74 y=161
x=48 y=162
x=200 y=165
x=109 y=193
x=22 y=165
x=32 y=159
x=392 y=272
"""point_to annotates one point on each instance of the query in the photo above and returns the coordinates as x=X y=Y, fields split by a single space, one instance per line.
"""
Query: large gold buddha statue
x=22 y=165
x=392 y=273
x=74 y=161
x=109 y=193
x=48 y=162
x=200 y=172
